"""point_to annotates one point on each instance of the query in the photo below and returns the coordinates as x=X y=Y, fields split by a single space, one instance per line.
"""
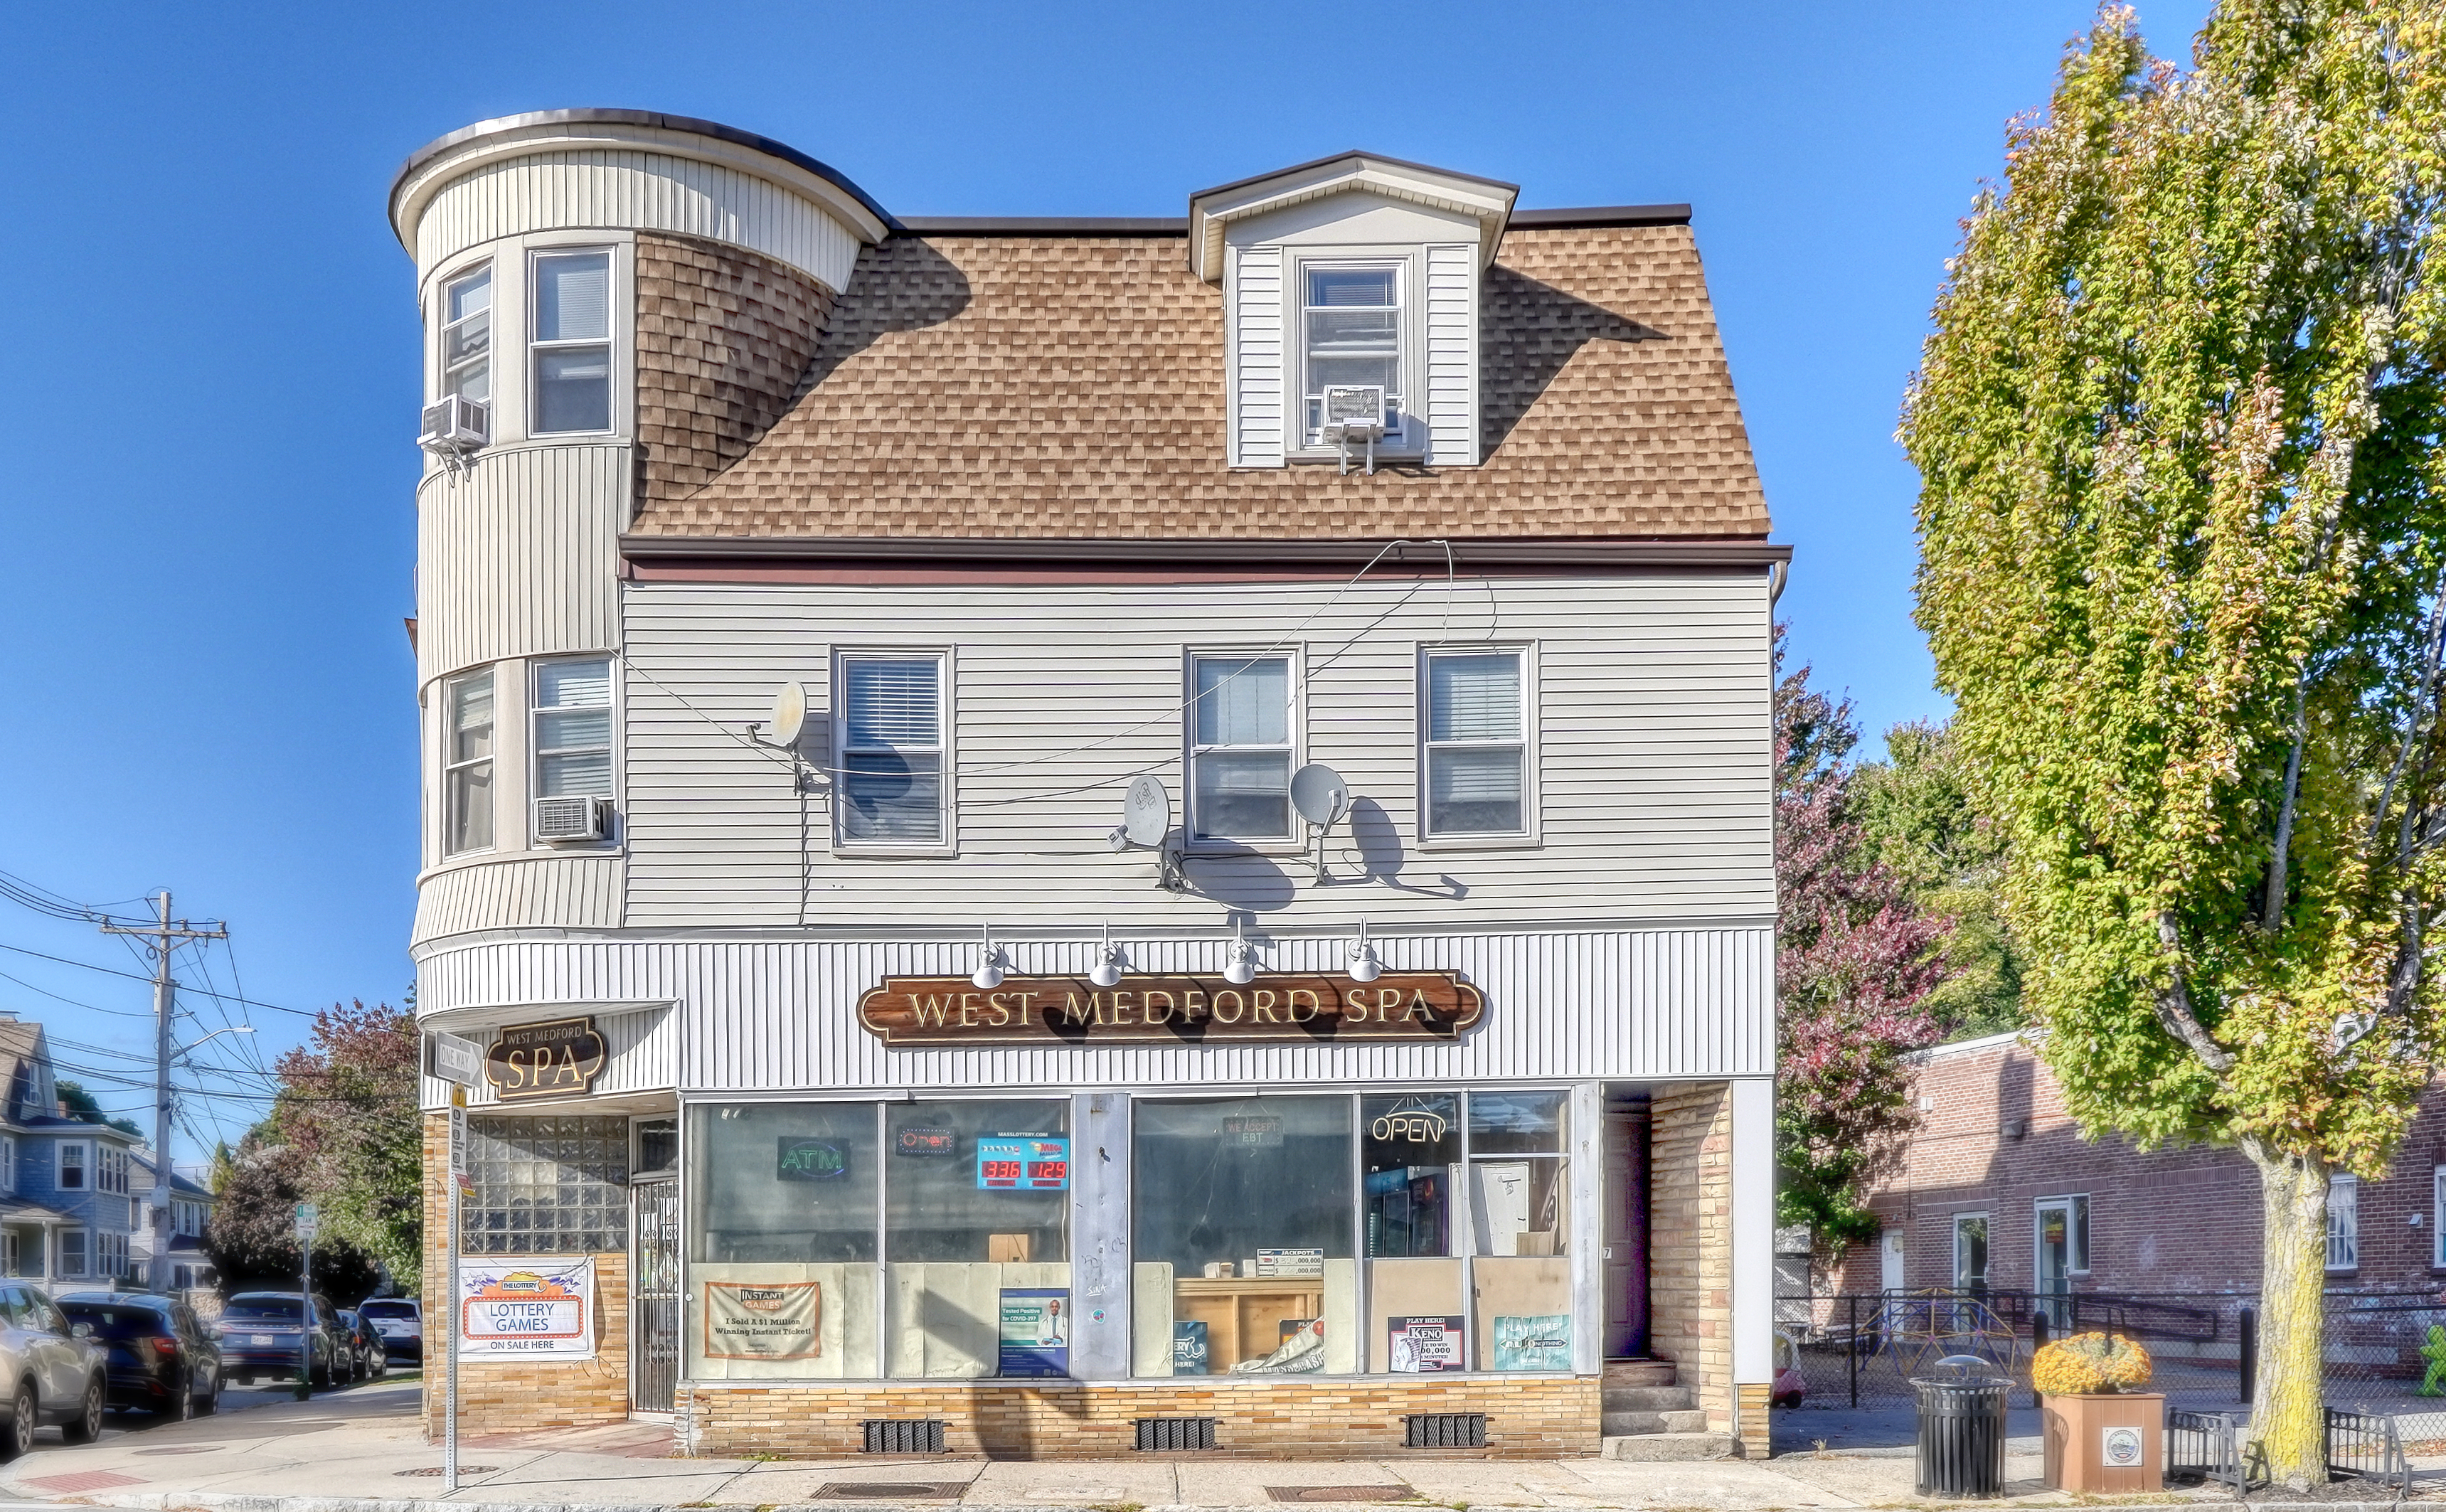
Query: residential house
x=71 y=1205
x=1074 y=837
x=186 y=1228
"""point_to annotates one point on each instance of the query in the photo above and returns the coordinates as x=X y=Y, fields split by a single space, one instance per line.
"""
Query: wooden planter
x=2105 y=1445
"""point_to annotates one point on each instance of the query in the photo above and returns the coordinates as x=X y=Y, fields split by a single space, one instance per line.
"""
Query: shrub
x=2088 y=1364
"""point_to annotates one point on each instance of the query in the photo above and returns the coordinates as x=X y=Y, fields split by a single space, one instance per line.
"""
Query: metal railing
x=2367 y=1445
x=2208 y=1444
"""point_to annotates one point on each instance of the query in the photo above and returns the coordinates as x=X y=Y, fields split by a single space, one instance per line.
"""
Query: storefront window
x=1243 y=1221
x=1410 y=1155
x=783 y=1216
x=976 y=1203
x=547 y=1185
x=1519 y=1222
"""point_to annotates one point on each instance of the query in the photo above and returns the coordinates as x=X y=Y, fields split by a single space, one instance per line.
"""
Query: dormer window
x=1350 y=333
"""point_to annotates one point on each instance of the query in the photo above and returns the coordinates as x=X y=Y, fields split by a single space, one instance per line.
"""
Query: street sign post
x=310 y=1222
x=454 y=1058
x=456 y=1178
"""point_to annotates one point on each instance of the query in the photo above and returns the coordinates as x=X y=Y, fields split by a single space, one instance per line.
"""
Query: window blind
x=1244 y=702
x=894 y=703
x=574 y=684
x=573 y=296
x=1474 y=697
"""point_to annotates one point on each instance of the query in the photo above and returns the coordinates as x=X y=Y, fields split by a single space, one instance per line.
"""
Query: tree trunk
x=2289 y=1414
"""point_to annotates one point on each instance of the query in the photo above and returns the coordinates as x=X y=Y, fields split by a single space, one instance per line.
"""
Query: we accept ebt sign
x=527 y=1306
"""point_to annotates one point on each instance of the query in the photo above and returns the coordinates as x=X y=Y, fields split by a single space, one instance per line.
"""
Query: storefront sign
x=1035 y=1332
x=529 y=1308
x=1290 y=1006
x=1261 y=1131
x=1422 y=1345
x=556 y=1059
x=1024 y=1164
x=926 y=1142
x=779 y=1320
x=800 y=1160
x=1533 y=1343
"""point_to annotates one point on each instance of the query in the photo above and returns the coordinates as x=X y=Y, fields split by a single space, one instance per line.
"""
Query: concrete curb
x=228 y=1501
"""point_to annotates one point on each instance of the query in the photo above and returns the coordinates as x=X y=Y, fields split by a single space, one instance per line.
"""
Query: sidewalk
x=364 y=1451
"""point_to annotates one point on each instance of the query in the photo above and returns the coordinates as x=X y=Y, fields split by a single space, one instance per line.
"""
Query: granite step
x=1685 y=1420
x=1640 y=1372
x=1659 y=1447
x=1645 y=1398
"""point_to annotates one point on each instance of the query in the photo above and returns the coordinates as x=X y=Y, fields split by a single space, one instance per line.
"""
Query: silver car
x=56 y=1375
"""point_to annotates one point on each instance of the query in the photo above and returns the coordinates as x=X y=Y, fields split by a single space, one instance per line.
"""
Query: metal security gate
x=654 y=1297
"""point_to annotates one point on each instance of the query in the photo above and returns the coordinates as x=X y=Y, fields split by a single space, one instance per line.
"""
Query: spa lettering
x=1416 y=1005
x=557 y=1059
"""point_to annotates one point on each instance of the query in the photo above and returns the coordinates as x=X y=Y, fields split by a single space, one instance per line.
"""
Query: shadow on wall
x=1527 y=331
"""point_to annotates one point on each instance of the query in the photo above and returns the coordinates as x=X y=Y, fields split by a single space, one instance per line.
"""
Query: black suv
x=259 y=1336
x=162 y=1358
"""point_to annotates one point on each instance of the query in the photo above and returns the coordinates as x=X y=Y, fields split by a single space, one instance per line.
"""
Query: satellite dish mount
x=1146 y=824
x=1322 y=798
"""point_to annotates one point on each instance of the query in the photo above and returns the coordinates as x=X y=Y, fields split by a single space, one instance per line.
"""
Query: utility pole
x=163 y=938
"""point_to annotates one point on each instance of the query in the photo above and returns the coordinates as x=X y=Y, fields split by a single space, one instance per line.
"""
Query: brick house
x=1276 y=701
x=1999 y=1191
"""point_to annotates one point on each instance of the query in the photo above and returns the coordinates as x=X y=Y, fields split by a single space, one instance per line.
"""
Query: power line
x=134 y=976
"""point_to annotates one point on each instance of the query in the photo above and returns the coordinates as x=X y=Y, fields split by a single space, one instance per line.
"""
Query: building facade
x=1059 y=837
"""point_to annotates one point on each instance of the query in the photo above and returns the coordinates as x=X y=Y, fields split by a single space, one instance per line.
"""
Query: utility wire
x=135 y=977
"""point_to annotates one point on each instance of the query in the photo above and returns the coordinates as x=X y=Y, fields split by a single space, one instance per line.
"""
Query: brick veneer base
x=1541 y=1419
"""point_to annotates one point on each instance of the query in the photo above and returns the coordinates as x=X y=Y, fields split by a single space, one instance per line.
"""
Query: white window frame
x=109 y=1254
x=1294 y=727
x=2343 y=1222
x=85 y=1166
x=616 y=304
x=182 y=1278
x=442 y=324
x=186 y=1219
x=947 y=718
x=110 y=1168
x=536 y=709
x=1411 y=441
x=450 y=768
x=83 y=1263
x=1532 y=831
x=1956 y=1221
x=2076 y=1234
x=2438 y=1216
x=8 y=1163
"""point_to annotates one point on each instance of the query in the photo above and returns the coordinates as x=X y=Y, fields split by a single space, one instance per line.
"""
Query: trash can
x=1961 y=1430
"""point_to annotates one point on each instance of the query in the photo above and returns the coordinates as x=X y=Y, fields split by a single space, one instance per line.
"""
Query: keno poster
x=762 y=1320
x=526 y=1306
x=1422 y=1345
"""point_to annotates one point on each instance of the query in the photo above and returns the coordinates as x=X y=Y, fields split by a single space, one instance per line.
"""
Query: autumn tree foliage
x=344 y=1134
x=1855 y=961
x=2178 y=429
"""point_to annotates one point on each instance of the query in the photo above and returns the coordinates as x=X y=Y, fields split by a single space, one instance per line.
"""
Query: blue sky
x=210 y=392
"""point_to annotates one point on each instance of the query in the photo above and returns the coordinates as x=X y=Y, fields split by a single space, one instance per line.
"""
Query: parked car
x=260 y=1336
x=162 y=1359
x=373 y=1361
x=58 y=1377
x=400 y=1320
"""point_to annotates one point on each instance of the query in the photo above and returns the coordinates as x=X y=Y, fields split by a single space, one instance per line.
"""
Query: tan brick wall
x=529 y=1394
x=1541 y=1419
x=723 y=338
x=1756 y=1443
x=1690 y=1246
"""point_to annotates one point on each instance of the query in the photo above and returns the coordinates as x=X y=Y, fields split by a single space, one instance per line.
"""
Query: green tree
x=1918 y=821
x=345 y=1117
x=82 y=1105
x=2178 y=435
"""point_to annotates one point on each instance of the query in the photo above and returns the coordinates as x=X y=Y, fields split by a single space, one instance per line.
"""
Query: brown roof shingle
x=1072 y=388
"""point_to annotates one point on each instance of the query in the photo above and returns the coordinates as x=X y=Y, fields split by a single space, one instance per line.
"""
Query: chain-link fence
x=2386 y=1350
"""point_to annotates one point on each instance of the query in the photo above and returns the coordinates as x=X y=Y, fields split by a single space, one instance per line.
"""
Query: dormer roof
x=1488 y=202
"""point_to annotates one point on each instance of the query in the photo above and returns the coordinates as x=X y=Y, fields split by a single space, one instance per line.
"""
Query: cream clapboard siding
x=1452 y=356
x=642 y=1047
x=543 y=890
x=638 y=191
x=781 y=1015
x=1259 y=398
x=1652 y=705
x=520 y=556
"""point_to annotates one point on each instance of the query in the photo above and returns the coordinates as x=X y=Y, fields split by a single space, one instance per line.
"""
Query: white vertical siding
x=1452 y=356
x=779 y=1015
x=520 y=556
x=540 y=892
x=638 y=191
x=1260 y=400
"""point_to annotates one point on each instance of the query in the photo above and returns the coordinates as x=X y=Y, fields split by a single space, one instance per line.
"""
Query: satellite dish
x=1146 y=815
x=1319 y=794
x=790 y=714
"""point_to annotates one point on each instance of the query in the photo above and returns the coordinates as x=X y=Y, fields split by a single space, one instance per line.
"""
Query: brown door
x=1625 y=1228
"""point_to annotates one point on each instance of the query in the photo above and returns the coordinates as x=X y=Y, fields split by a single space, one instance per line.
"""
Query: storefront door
x=2060 y=1255
x=1626 y=1233
x=654 y=1297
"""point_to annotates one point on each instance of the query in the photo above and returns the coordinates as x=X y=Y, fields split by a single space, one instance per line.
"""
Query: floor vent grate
x=904 y=1435
x=1445 y=1431
x=1175 y=1433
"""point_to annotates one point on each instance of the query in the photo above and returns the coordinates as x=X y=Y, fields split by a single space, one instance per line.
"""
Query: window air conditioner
x=1354 y=412
x=560 y=820
x=457 y=425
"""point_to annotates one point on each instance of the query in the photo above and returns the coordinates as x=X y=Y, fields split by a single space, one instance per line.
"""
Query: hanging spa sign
x=1288 y=1006
x=560 y=1058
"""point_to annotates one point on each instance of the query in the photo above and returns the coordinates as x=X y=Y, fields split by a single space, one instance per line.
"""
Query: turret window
x=572 y=342
x=467 y=769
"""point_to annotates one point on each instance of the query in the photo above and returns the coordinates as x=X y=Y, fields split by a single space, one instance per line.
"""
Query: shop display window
x=784 y=1239
x=1410 y=1167
x=551 y=1185
x=976 y=1224
x=1243 y=1221
x=1518 y=1197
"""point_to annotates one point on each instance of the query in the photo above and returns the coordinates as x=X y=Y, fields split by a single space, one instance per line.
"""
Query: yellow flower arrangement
x=2090 y=1364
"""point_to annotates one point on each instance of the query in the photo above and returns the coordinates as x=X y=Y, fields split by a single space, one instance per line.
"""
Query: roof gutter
x=1511 y=551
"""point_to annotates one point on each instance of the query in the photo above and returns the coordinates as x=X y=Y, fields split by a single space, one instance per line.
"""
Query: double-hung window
x=1477 y=744
x=1350 y=333
x=572 y=728
x=467 y=337
x=73 y=1260
x=73 y=1156
x=1240 y=748
x=2343 y=1222
x=572 y=342
x=8 y=1163
x=112 y=1170
x=468 y=763
x=891 y=750
x=110 y=1255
